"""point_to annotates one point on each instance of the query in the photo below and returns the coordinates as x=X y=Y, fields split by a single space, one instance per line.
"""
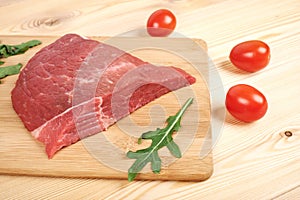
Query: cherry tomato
x=161 y=23
x=246 y=103
x=250 y=56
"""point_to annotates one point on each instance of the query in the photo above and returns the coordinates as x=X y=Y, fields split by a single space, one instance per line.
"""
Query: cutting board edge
x=116 y=176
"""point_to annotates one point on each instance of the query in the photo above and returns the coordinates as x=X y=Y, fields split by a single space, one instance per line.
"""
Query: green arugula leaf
x=160 y=138
x=10 y=70
x=11 y=50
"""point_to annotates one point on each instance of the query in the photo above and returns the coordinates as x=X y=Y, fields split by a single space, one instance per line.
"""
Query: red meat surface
x=77 y=87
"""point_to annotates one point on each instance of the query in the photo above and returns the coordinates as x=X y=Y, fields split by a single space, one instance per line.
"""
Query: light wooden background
x=251 y=161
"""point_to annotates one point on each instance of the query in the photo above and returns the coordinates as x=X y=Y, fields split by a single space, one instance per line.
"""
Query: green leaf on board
x=10 y=70
x=160 y=138
x=11 y=50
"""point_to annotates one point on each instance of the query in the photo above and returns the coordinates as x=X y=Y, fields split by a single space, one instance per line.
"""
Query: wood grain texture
x=86 y=158
x=290 y=194
x=251 y=161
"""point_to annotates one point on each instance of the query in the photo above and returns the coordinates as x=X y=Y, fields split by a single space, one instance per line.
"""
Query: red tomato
x=246 y=103
x=250 y=56
x=161 y=23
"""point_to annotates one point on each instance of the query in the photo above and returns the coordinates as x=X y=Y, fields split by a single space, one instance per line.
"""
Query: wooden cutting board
x=21 y=154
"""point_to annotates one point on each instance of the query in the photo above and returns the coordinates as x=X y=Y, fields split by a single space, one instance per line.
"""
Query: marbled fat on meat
x=77 y=87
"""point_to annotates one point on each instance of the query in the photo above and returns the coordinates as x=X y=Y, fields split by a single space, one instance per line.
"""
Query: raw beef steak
x=77 y=87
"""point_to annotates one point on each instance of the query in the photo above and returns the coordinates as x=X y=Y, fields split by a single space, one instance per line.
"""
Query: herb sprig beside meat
x=12 y=50
x=160 y=138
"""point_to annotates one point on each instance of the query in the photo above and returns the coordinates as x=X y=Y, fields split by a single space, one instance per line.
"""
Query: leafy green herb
x=11 y=50
x=160 y=138
x=10 y=70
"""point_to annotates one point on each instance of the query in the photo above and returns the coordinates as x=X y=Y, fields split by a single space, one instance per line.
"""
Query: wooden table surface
x=251 y=161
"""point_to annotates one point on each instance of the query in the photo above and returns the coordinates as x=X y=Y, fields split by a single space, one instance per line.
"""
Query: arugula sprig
x=11 y=50
x=10 y=70
x=160 y=138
